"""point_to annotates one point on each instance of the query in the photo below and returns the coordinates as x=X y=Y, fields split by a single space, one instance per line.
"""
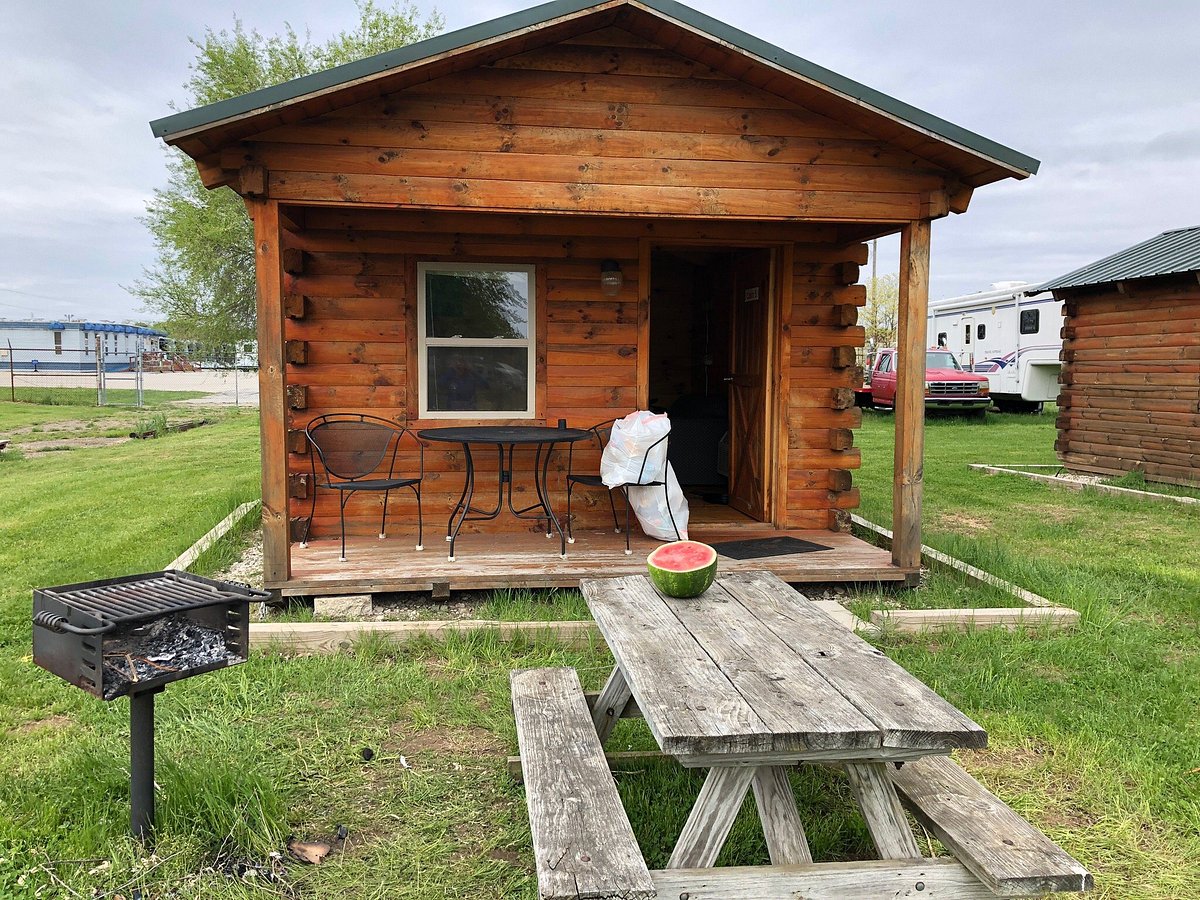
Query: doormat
x=760 y=548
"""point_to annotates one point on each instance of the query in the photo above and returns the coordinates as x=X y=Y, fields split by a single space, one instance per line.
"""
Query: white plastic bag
x=625 y=462
x=627 y=444
x=655 y=510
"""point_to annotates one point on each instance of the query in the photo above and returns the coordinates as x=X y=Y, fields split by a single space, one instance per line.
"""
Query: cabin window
x=58 y=343
x=980 y=331
x=476 y=340
x=1030 y=321
x=967 y=333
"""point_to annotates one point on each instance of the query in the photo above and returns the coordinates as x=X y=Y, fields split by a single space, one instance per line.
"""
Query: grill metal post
x=141 y=765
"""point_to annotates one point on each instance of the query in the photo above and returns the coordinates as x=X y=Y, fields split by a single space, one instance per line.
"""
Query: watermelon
x=683 y=568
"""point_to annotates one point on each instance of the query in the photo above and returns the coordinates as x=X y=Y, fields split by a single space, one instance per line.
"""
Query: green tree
x=879 y=315
x=202 y=283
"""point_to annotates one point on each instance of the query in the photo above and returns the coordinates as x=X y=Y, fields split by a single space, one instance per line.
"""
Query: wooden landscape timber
x=218 y=531
x=1073 y=485
x=600 y=135
x=332 y=637
x=1035 y=611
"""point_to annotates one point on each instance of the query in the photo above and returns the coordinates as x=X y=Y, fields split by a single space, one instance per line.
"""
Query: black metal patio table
x=502 y=436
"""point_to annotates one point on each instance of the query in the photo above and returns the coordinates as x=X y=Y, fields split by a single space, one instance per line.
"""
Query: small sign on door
x=751 y=295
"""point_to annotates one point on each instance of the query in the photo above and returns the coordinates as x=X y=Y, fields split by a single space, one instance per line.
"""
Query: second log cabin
x=1130 y=399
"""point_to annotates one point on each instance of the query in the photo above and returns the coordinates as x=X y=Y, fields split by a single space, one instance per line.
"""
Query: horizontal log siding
x=357 y=274
x=360 y=331
x=1131 y=383
x=822 y=414
x=593 y=128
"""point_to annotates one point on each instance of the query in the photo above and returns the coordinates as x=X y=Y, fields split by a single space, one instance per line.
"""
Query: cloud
x=1104 y=94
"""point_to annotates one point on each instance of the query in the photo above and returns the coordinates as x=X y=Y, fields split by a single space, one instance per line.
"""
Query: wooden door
x=750 y=320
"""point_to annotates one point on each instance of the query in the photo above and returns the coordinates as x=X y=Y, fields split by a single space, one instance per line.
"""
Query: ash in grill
x=130 y=634
x=137 y=654
x=133 y=636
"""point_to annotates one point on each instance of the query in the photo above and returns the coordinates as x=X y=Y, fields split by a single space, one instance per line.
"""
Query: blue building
x=33 y=345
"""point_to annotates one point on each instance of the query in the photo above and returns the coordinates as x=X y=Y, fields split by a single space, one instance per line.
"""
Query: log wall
x=600 y=147
x=1131 y=381
x=607 y=123
x=349 y=330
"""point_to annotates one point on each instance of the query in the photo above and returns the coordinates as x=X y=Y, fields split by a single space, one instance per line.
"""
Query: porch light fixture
x=610 y=278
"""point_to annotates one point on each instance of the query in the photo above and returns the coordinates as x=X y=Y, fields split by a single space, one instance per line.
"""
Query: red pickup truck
x=947 y=386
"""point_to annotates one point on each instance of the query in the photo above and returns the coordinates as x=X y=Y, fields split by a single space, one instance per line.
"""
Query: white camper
x=1012 y=333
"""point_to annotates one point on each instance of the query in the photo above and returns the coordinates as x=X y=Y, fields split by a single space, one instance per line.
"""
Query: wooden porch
x=529 y=560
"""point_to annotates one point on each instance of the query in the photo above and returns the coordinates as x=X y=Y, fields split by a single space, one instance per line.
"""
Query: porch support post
x=273 y=415
x=908 y=477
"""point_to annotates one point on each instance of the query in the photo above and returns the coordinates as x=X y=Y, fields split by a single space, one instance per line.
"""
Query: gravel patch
x=248 y=569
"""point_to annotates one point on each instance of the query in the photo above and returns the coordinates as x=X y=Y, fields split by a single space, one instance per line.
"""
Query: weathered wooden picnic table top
x=750 y=673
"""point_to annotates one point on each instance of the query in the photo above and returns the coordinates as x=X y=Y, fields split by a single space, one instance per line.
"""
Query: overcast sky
x=1105 y=93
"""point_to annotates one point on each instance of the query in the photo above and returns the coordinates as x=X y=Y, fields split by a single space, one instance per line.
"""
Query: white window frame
x=424 y=342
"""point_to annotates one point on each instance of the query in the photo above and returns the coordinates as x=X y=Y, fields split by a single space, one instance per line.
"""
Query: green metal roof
x=1170 y=253
x=529 y=18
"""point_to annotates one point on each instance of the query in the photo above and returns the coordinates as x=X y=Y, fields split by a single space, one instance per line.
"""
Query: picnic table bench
x=745 y=681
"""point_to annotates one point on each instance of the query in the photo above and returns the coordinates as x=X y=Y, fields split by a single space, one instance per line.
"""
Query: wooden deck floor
x=530 y=560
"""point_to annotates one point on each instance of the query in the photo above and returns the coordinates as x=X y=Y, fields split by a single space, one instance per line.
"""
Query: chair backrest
x=603 y=431
x=352 y=445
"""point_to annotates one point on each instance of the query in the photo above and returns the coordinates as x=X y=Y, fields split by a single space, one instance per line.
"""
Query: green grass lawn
x=81 y=396
x=1093 y=731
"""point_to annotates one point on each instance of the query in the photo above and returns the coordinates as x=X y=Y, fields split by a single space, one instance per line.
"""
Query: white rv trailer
x=1012 y=333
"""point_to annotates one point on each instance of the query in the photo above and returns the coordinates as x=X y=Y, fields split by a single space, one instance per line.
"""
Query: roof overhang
x=976 y=160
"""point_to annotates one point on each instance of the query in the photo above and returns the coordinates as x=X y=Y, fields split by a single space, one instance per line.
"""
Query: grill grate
x=121 y=601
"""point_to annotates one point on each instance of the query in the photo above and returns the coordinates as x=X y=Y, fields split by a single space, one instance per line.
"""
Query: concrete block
x=350 y=606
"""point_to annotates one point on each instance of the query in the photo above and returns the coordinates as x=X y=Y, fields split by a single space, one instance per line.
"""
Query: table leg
x=544 y=488
x=786 y=841
x=461 y=504
x=882 y=811
x=539 y=486
x=708 y=825
x=611 y=704
x=464 y=502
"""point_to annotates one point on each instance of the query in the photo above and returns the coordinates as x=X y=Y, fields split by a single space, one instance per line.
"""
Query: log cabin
x=730 y=184
x=1130 y=398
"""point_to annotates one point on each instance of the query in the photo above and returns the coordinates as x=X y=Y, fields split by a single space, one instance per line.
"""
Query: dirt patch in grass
x=471 y=739
x=962 y=523
x=1050 y=513
x=41 y=448
x=1028 y=768
x=55 y=722
x=1049 y=672
x=58 y=425
x=512 y=857
x=1031 y=754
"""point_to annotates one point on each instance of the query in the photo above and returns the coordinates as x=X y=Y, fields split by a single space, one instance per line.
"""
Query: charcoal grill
x=132 y=636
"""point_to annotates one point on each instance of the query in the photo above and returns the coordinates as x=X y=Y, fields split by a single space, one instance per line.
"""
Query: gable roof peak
x=233 y=118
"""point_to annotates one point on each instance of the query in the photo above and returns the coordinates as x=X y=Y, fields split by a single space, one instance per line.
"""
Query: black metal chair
x=352 y=447
x=602 y=432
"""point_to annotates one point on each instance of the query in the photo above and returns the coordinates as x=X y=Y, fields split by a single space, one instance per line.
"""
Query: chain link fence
x=62 y=375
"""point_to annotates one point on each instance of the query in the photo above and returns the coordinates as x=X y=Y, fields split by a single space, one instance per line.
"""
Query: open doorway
x=709 y=327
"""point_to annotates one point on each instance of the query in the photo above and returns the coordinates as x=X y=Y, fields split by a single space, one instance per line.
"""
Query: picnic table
x=746 y=681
